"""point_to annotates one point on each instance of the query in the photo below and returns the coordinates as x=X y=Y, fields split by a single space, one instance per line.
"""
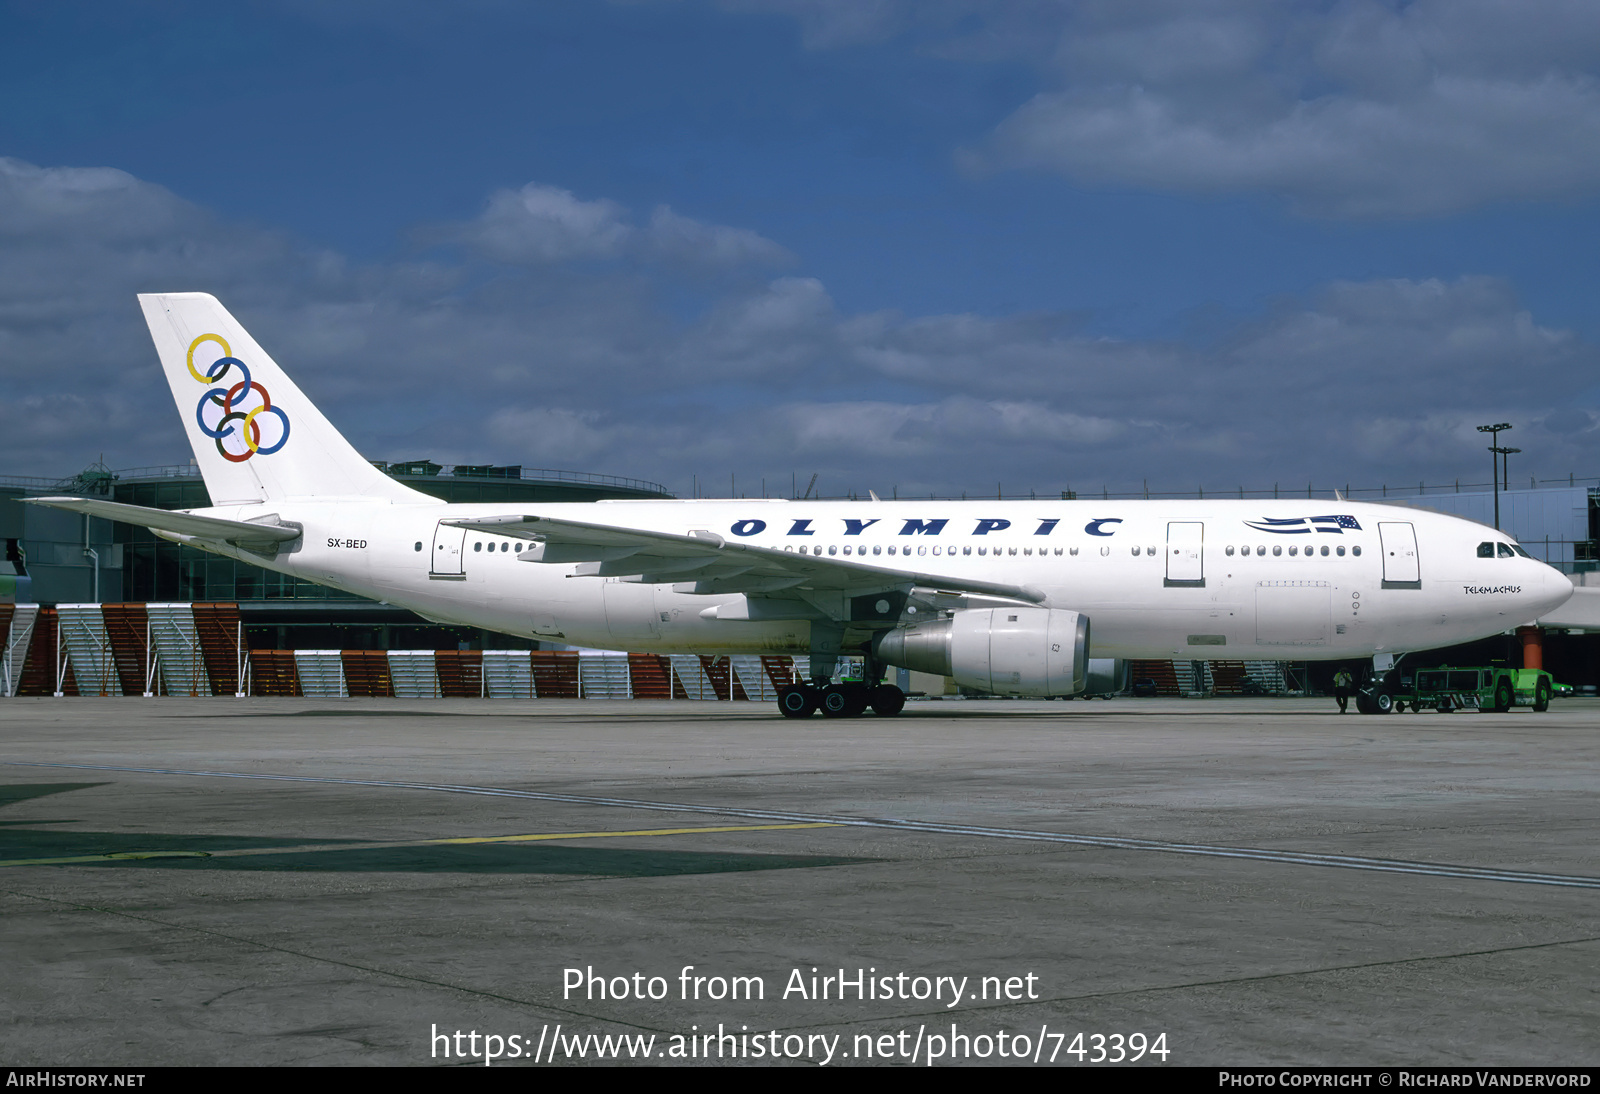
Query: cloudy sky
x=924 y=245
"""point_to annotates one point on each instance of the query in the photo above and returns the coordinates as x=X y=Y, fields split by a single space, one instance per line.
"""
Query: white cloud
x=546 y=224
x=1354 y=109
x=1360 y=109
x=587 y=366
x=1451 y=145
x=549 y=435
x=680 y=238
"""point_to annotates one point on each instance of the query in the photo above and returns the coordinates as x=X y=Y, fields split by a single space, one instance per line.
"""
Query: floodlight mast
x=1494 y=447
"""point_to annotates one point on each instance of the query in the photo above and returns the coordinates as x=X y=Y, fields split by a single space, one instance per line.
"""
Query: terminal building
x=72 y=559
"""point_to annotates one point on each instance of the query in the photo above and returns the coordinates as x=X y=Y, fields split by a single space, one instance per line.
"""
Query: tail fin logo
x=244 y=401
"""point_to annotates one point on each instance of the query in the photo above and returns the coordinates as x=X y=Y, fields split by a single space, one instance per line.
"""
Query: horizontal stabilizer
x=241 y=533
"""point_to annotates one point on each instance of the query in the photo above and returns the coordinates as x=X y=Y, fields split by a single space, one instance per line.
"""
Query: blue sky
x=926 y=246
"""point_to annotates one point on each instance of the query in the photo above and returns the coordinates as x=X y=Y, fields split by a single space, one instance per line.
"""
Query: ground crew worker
x=1341 y=687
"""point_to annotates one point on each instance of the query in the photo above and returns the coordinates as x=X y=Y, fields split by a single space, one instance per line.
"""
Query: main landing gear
x=840 y=700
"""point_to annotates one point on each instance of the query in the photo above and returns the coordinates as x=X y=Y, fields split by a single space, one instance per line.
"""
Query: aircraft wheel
x=886 y=700
x=797 y=701
x=1364 y=703
x=1541 y=696
x=1383 y=703
x=843 y=701
x=1503 y=697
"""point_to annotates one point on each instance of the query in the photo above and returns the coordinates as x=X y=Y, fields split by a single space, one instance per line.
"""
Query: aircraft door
x=1401 y=568
x=1185 y=568
x=631 y=614
x=448 y=544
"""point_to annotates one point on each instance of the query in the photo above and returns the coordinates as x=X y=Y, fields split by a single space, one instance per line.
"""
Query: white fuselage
x=1158 y=579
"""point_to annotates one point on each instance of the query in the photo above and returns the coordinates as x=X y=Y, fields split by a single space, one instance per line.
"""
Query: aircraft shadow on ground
x=24 y=844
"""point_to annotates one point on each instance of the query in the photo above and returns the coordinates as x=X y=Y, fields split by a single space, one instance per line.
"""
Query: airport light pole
x=1494 y=447
x=1505 y=466
x=1503 y=457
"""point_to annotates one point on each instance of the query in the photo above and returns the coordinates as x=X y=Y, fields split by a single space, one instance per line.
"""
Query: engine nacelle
x=1036 y=652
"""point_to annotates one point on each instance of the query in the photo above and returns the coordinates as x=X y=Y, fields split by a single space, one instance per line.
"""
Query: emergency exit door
x=1401 y=568
x=1185 y=565
x=446 y=560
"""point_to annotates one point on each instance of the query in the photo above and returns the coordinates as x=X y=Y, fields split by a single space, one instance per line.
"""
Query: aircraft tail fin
x=255 y=435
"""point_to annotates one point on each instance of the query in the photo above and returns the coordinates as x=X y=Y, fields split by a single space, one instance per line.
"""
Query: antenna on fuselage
x=810 y=484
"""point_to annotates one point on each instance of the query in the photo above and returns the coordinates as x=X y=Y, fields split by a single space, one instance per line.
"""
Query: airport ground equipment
x=1484 y=688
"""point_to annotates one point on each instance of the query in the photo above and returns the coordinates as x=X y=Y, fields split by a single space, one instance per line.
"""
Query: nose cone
x=1553 y=590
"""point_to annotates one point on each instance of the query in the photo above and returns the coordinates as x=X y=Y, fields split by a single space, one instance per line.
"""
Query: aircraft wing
x=711 y=563
x=241 y=533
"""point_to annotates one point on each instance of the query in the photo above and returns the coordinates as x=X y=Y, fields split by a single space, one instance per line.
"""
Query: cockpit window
x=1505 y=552
x=1485 y=550
x=1517 y=547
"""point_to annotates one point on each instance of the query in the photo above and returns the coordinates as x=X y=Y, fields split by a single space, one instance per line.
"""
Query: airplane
x=998 y=594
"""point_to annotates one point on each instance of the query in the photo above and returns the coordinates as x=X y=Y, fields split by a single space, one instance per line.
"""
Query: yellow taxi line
x=381 y=845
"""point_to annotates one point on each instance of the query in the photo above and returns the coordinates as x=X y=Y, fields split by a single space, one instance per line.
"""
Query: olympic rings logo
x=237 y=403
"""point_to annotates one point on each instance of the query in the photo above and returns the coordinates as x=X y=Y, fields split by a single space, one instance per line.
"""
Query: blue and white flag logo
x=1302 y=526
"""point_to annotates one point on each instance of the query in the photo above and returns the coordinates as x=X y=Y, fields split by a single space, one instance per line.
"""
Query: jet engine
x=1036 y=652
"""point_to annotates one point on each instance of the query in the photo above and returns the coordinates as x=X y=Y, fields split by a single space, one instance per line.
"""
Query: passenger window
x=1229 y=551
x=519 y=548
x=1277 y=550
x=1011 y=550
x=1294 y=551
x=966 y=550
x=418 y=546
x=983 y=550
x=1486 y=550
x=1356 y=551
x=1505 y=552
x=1324 y=552
x=817 y=550
x=1340 y=550
x=1027 y=550
x=1261 y=550
x=877 y=550
x=846 y=548
x=1135 y=552
x=832 y=550
x=477 y=546
x=1074 y=552
x=936 y=550
x=922 y=550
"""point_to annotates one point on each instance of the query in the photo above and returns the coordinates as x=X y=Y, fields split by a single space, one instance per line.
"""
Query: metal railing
x=1202 y=492
x=190 y=471
x=543 y=474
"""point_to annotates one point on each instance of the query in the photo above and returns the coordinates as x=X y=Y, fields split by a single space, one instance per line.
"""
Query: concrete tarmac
x=1217 y=882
